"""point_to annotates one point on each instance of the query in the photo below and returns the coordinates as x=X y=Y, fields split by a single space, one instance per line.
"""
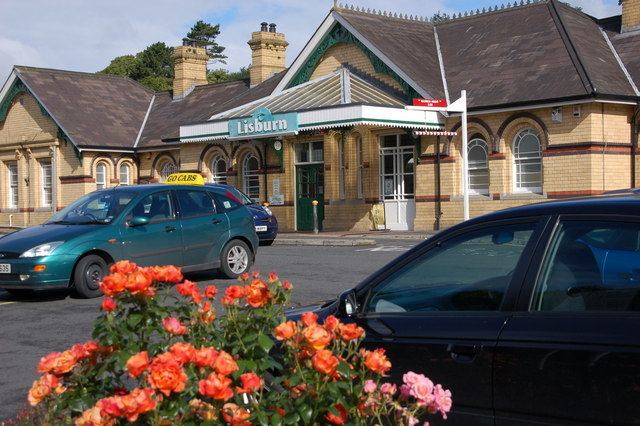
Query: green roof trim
x=17 y=88
x=340 y=34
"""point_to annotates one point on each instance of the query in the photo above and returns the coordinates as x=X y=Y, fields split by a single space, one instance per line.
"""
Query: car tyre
x=236 y=259
x=88 y=274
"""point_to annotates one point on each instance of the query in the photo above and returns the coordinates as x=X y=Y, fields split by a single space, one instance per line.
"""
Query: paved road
x=55 y=320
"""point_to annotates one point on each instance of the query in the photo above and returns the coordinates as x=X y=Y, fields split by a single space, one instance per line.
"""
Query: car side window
x=156 y=207
x=227 y=201
x=591 y=266
x=194 y=203
x=470 y=272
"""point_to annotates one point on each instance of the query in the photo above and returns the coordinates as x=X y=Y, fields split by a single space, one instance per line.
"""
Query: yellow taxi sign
x=185 y=179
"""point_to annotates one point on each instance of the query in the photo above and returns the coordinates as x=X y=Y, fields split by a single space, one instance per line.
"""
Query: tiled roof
x=95 y=110
x=628 y=48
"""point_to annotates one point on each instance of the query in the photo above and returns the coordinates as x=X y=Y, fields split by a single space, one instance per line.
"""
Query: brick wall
x=630 y=14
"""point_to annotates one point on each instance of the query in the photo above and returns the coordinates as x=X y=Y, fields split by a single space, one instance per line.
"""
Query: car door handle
x=463 y=353
x=169 y=229
x=216 y=221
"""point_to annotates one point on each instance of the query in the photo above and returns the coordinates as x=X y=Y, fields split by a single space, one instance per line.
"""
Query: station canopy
x=340 y=99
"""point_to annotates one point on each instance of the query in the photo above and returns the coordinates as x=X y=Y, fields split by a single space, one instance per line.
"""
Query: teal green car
x=197 y=227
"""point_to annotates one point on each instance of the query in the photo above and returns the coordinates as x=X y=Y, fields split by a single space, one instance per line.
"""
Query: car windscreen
x=100 y=207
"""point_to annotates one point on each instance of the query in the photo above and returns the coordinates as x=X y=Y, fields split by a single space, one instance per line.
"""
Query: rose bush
x=162 y=356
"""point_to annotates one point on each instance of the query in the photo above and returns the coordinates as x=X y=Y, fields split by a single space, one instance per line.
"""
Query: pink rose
x=410 y=378
x=442 y=400
x=370 y=386
x=388 y=388
x=422 y=390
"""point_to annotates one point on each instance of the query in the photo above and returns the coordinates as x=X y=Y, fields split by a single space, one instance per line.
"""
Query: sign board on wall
x=263 y=124
x=430 y=103
x=276 y=198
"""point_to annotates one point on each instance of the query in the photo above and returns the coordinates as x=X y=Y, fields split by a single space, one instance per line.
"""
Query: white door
x=397 y=182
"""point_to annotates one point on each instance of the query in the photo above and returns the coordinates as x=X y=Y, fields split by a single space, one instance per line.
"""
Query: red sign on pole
x=430 y=103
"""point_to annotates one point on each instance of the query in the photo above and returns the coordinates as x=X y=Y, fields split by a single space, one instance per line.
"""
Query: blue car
x=265 y=221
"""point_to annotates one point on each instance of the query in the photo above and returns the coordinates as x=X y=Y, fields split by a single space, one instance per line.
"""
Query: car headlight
x=42 y=249
x=268 y=210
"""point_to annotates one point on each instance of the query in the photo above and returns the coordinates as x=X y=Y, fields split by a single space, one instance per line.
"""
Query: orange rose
x=183 y=352
x=138 y=364
x=244 y=277
x=110 y=406
x=113 y=284
x=257 y=294
x=166 y=374
x=273 y=277
x=317 y=336
x=331 y=323
x=309 y=319
x=351 y=332
x=204 y=410
x=250 y=383
x=256 y=274
x=108 y=305
x=190 y=289
x=233 y=293
x=286 y=330
x=376 y=361
x=64 y=363
x=325 y=362
x=287 y=285
x=235 y=415
x=211 y=291
x=93 y=417
x=138 y=402
x=225 y=364
x=172 y=325
x=42 y=388
x=216 y=386
x=205 y=357
x=340 y=418
x=207 y=314
x=123 y=267
x=165 y=274
x=139 y=282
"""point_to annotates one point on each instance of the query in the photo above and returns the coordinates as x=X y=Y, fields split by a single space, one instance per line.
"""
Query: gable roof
x=628 y=46
x=93 y=110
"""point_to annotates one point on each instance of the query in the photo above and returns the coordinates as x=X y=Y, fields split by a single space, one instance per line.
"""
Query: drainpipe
x=266 y=186
x=634 y=143
x=438 y=202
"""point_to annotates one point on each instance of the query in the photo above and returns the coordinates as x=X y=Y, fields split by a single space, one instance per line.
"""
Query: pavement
x=341 y=238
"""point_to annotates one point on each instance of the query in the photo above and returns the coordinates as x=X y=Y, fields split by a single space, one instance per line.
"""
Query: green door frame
x=309 y=187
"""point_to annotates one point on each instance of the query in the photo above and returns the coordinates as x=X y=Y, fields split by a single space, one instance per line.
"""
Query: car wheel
x=88 y=274
x=236 y=259
x=266 y=242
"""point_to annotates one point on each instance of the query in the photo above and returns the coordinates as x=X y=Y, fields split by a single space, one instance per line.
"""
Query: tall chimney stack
x=268 y=49
x=190 y=67
x=630 y=15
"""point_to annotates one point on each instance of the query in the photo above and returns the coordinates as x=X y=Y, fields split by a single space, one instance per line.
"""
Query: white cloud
x=598 y=8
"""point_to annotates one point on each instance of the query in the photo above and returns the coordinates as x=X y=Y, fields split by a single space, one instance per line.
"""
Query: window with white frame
x=527 y=161
x=360 y=171
x=168 y=167
x=219 y=169
x=250 y=177
x=309 y=152
x=125 y=174
x=478 y=153
x=342 y=169
x=12 y=171
x=47 y=183
x=101 y=176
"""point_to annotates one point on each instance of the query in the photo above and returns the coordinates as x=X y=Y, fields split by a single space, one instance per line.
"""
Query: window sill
x=479 y=197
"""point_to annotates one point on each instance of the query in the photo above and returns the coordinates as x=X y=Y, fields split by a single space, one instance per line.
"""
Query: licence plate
x=5 y=268
x=261 y=228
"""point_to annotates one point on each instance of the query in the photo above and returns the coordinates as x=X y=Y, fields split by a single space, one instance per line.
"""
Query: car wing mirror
x=138 y=221
x=347 y=303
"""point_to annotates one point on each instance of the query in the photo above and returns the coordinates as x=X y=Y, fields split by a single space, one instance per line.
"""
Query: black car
x=529 y=315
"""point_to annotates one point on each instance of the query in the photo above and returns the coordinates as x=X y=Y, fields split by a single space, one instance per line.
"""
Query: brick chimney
x=630 y=15
x=268 y=49
x=190 y=67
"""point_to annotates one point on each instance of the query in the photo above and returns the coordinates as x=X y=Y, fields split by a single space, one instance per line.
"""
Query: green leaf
x=265 y=342
x=262 y=418
x=276 y=420
x=292 y=419
x=134 y=319
x=305 y=413
x=344 y=369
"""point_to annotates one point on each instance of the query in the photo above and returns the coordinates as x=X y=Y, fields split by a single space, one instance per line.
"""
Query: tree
x=122 y=66
x=204 y=34
x=154 y=61
x=440 y=17
x=221 y=75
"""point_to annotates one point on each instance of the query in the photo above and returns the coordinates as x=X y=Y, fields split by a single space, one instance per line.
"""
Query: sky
x=83 y=35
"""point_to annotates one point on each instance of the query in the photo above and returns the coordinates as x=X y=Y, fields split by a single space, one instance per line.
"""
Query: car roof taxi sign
x=185 y=179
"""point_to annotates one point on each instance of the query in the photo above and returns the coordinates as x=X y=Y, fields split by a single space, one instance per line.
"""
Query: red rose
x=108 y=305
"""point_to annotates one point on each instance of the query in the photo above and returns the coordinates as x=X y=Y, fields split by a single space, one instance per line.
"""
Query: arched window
x=218 y=169
x=250 y=177
x=101 y=175
x=527 y=161
x=166 y=169
x=125 y=174
x=478 y=166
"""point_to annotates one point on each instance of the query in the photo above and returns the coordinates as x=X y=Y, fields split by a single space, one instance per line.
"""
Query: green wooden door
x=309 y=187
